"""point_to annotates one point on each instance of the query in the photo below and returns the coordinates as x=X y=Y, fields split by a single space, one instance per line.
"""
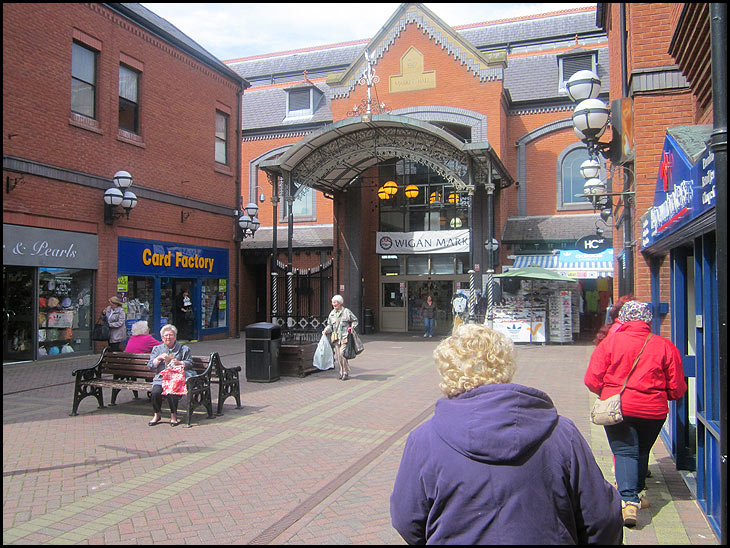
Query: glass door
x=18 y=326
x=393 y=311
x=441 y=292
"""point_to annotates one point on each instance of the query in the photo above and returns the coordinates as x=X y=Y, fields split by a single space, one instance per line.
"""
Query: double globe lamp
x=590 y=120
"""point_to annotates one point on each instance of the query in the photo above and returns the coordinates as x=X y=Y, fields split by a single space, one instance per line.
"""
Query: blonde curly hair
x=472 y=356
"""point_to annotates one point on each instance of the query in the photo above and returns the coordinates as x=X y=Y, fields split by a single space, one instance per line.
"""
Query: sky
x=232 y=30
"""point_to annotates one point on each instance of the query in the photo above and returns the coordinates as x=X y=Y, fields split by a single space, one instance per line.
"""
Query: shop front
x=157 y=280
x=414 y=265
x=679 y=230
x=48 y=288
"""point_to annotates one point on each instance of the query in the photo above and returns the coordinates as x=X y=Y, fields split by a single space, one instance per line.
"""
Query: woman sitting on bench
x=168 y=354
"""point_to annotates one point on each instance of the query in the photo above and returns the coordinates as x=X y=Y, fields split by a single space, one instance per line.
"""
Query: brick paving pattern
x=306 y=461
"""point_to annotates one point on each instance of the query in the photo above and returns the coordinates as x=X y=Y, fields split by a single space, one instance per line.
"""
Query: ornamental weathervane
x=366 y=108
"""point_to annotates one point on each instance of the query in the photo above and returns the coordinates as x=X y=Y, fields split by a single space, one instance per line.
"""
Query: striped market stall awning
x=570 y=263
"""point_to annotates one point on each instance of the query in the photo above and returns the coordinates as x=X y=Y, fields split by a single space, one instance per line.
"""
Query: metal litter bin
x=263 y=341
x=369 y=322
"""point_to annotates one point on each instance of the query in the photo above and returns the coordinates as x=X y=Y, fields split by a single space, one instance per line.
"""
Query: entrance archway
x=331 y=160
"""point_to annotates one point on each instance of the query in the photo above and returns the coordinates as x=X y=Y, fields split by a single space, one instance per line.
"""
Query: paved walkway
x=306 y=461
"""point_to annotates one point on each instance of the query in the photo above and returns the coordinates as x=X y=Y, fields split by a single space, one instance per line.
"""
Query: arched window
x=570 y=181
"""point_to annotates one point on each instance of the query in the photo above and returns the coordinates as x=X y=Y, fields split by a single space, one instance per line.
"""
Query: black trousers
x=156 y=396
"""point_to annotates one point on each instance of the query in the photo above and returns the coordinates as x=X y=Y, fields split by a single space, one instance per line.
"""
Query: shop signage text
x=144 y=257
x=181 y=261
x=439 y=241
x=684 y=191
x=30 y=246
x=592 y=244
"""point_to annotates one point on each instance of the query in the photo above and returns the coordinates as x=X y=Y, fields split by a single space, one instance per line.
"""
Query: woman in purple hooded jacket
x=497 y=464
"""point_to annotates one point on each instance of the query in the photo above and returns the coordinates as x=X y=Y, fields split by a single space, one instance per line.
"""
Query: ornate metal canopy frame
x=332 y=158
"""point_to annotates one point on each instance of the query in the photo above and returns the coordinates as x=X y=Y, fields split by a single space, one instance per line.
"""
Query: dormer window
x=571 y=63
x=302 y=101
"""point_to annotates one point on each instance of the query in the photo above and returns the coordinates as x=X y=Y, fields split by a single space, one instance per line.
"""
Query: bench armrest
x=86 y=373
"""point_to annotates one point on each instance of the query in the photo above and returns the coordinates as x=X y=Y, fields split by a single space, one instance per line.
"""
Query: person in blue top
x=496 y=464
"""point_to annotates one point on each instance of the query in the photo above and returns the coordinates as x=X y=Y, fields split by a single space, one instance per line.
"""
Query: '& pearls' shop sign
x=167 y=259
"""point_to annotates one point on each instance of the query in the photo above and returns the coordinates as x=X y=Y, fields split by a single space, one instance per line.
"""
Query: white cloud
x=235 y=30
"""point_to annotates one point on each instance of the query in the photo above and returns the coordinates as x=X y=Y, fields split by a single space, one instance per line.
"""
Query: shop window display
x=64 y=311
x=214 y=303
x=138 y=294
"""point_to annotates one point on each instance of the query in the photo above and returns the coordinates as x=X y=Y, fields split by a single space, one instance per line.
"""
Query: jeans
x=631 y=442
x=428 y=323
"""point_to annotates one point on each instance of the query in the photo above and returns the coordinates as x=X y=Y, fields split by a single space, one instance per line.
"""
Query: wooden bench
x=129 y=371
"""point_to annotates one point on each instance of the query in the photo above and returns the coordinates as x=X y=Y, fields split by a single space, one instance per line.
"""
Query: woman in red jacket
x=658 y=378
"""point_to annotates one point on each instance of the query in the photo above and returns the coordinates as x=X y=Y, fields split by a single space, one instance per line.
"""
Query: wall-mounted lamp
x=184 y=215
x=10 y=186
x=591 y=115
x=119 y=195
x=262 y=196
x=247 y=221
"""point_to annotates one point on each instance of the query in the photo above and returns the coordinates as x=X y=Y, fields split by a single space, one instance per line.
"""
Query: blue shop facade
x=680 y=227
x=151 y=278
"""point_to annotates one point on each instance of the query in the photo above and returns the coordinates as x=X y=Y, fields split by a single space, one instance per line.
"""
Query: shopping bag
x=173 y=380
x=359 y=346
x=100 y=332
x=354 y=345
x=323 y=357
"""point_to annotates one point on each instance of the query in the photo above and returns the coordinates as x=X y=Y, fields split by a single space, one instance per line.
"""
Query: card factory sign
x=439 y=241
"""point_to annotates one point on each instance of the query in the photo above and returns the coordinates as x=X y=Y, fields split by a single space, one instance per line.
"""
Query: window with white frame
x=83 y=80
x=221 y=137
x=302 y=101
x=568 y=65
x=303 y=206
x=128 y=99
x=570 y=181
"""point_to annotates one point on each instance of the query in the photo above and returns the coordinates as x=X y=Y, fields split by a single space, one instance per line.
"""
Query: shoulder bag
x=608 y=412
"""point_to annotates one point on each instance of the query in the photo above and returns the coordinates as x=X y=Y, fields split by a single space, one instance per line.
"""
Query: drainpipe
x=239 y=256
x=628 y=221
x=718 y=145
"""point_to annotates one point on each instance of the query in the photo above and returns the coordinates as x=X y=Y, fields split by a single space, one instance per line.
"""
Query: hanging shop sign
x=593 y=244
x=685 y=190
x=30 y=246
x=438 y=241
x=148 y=258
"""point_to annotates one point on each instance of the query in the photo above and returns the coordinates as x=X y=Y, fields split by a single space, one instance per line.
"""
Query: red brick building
x=476 y=118
x=668 y=65
x=90 y=90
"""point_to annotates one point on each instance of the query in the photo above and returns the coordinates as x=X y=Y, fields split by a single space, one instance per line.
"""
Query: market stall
x=537 y=306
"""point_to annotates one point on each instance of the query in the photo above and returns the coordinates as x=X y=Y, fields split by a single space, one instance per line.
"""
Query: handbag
x=101 y=330
x=608 y=412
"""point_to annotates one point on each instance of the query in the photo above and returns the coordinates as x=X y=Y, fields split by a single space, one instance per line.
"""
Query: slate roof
x=268 y=109
x=528 y=79
x=169 y=32
x=304 y=236
x=550 y=228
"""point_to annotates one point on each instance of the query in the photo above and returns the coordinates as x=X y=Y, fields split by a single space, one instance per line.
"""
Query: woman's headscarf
x=635 y=311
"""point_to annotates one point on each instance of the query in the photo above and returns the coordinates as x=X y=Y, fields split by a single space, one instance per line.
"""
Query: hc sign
x=591 y=244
